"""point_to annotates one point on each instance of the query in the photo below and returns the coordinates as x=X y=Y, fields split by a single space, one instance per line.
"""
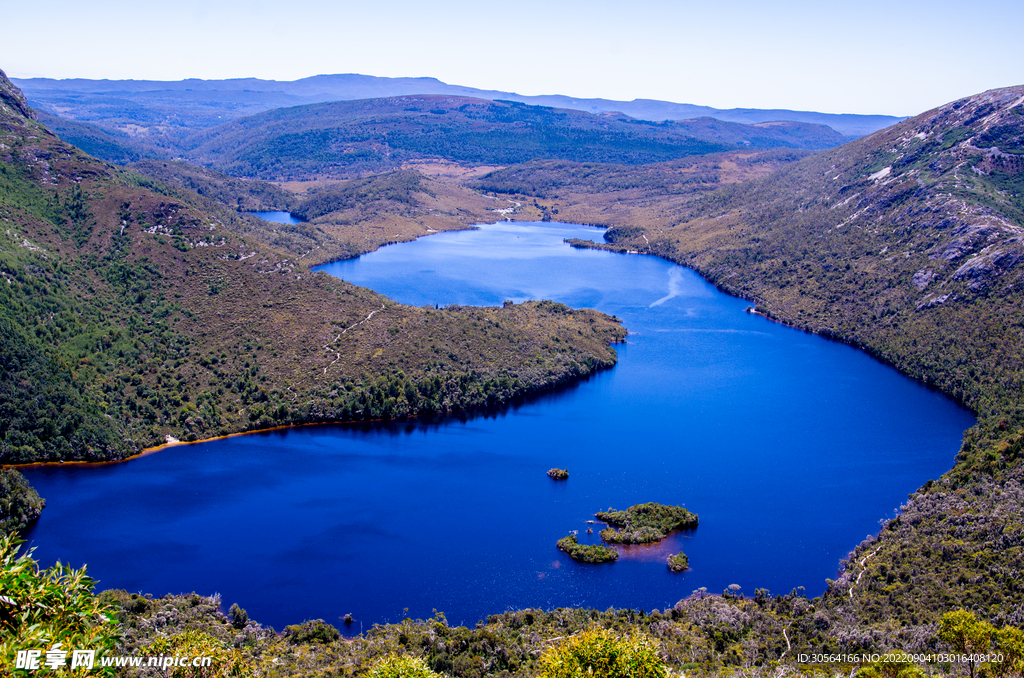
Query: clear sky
x=871 y=56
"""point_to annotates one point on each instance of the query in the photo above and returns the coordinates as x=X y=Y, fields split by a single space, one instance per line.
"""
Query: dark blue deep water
x=791 y=449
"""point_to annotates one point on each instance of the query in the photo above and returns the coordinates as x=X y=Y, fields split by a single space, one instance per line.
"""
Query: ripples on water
x=790 y=447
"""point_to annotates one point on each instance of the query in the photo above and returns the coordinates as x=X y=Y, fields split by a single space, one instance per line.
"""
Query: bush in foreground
x=401 y=666
x=43 y=608
x=225 y=662
x=600 y=652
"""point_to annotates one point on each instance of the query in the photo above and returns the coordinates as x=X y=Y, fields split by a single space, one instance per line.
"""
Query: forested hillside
x=346 y=138
x=130 y=314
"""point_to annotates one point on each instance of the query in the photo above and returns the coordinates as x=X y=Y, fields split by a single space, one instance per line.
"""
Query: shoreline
x=177 y=443
x=472 y=410
x=825 y=333
x=642 y=552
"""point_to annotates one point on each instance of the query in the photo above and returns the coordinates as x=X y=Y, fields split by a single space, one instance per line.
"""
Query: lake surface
x=277 y=217
x=791 y=449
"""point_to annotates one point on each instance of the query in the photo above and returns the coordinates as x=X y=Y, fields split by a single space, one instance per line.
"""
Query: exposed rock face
x=950 y=192
x=981 y=269
x=922 y=278
x=12 y=97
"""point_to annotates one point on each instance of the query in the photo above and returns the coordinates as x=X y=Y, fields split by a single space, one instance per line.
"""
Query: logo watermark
x=57 y=658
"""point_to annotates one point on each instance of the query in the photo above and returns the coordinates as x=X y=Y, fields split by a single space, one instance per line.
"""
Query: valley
x=145 y=306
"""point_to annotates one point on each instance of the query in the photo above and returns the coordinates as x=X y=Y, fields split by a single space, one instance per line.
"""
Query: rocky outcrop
x=11 y=97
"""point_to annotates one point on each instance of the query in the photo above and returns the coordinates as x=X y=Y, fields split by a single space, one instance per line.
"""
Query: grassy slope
x=349 y=218
x=906 y=242
x=624 y=196
x=130 y=314
x=346 y=218
x=112 y=146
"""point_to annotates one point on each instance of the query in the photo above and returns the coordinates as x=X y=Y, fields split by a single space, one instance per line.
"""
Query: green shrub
x=401 y=666
x=965 y=634
x=43 y=608
x=239 y=617
x=224 y=661
x=587 y=553
x=314 y=631
x=600 y=652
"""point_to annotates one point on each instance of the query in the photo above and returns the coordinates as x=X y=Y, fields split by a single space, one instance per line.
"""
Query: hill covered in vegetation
x=131 y=314
x=347 y=138
x=238 y=194
x=907 y=242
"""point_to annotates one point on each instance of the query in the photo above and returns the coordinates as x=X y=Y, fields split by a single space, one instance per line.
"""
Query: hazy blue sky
x=870 y=56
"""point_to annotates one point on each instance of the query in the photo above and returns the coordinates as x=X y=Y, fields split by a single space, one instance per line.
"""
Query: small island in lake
x=644 y=523
x=679 y=562
x=639 y=524
x=587 y=553
x=558 y=473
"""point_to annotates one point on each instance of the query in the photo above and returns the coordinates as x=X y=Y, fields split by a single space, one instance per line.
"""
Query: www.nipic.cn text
x=57 y=658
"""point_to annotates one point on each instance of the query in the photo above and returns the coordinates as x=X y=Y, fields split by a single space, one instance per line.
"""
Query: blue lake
x=790 y=447
x=277 y=217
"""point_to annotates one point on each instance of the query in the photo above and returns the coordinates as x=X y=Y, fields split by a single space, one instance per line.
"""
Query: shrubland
x=726 y=634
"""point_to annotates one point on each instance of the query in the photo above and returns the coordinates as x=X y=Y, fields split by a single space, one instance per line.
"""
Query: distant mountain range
x=345 y=138
x=206 y=103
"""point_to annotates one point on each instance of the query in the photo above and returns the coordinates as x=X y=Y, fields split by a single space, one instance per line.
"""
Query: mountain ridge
x=930 y=211
x=908 y=244
x=323 y=88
